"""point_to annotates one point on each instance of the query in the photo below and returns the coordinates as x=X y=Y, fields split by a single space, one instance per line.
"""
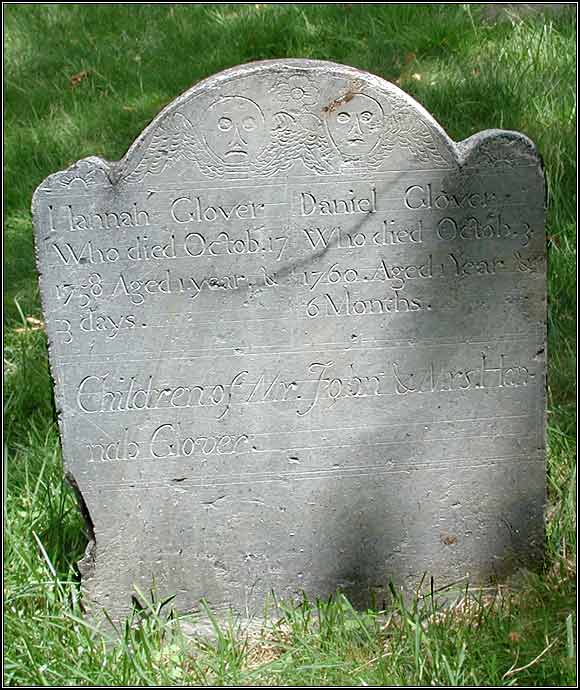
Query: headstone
x=298 y=339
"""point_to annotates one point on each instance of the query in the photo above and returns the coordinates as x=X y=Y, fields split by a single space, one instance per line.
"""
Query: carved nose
x=237 y=140
x=355 y=130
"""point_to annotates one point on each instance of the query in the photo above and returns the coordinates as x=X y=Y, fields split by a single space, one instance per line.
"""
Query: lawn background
x=85 y=80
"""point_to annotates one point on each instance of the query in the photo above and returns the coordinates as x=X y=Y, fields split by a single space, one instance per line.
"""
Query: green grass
x=132 y=60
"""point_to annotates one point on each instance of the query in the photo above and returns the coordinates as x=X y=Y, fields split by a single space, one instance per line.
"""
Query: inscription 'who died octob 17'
x=298 y=342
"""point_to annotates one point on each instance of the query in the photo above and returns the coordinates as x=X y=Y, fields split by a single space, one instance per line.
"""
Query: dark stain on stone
x=337 y=102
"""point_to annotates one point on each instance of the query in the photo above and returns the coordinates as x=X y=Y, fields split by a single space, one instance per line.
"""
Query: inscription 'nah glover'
x=297 y=336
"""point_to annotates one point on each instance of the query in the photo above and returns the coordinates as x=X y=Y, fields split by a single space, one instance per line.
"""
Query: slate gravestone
x=298 y=342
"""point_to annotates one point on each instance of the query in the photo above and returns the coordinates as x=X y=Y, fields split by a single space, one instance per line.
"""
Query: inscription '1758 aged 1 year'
x=297 y=336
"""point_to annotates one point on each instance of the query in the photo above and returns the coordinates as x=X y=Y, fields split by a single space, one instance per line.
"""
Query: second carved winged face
x=234 y=129
x=355 y=126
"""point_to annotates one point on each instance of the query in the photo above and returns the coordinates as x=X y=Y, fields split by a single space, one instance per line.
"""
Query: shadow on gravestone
x=298 y=343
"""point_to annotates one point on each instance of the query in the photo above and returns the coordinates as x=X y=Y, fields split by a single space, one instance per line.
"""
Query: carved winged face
x=233 y=128
x=355 y=126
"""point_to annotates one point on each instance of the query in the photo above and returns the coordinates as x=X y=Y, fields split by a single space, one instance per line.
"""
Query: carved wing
x=417 y=137
x=294 y=138
x=318 y=154
x=174 y=139
x=405 y=130
x=281 y=151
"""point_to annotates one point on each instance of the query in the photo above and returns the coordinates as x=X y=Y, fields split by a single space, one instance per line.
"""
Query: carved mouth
x=236 y=152
x=356 y=141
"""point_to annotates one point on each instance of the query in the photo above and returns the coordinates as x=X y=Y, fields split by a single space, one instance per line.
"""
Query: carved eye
x=343 y=118
x=249 y=124
x=224 y=123
x=366 y=116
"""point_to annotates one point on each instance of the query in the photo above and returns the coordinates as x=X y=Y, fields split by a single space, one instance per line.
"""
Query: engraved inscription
x=168 y=440
x=71 y=218
x=426 y=197
x=187 y=209
x=311 y=205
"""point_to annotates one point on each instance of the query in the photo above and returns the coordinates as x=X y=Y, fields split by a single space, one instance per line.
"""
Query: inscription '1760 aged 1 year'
x=298 y=342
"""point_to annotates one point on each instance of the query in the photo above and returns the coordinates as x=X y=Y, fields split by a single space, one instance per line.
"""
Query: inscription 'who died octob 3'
x=298 y=343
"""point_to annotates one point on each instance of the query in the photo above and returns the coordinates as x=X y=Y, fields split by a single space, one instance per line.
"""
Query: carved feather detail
x=174 y=139
x=404 y=130
x=293 y=138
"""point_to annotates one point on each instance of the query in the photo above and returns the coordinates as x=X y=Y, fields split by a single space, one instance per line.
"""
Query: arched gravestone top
x=297 y=336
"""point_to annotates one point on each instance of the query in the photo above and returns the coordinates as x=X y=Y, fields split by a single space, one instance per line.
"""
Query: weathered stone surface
x=298 y=343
